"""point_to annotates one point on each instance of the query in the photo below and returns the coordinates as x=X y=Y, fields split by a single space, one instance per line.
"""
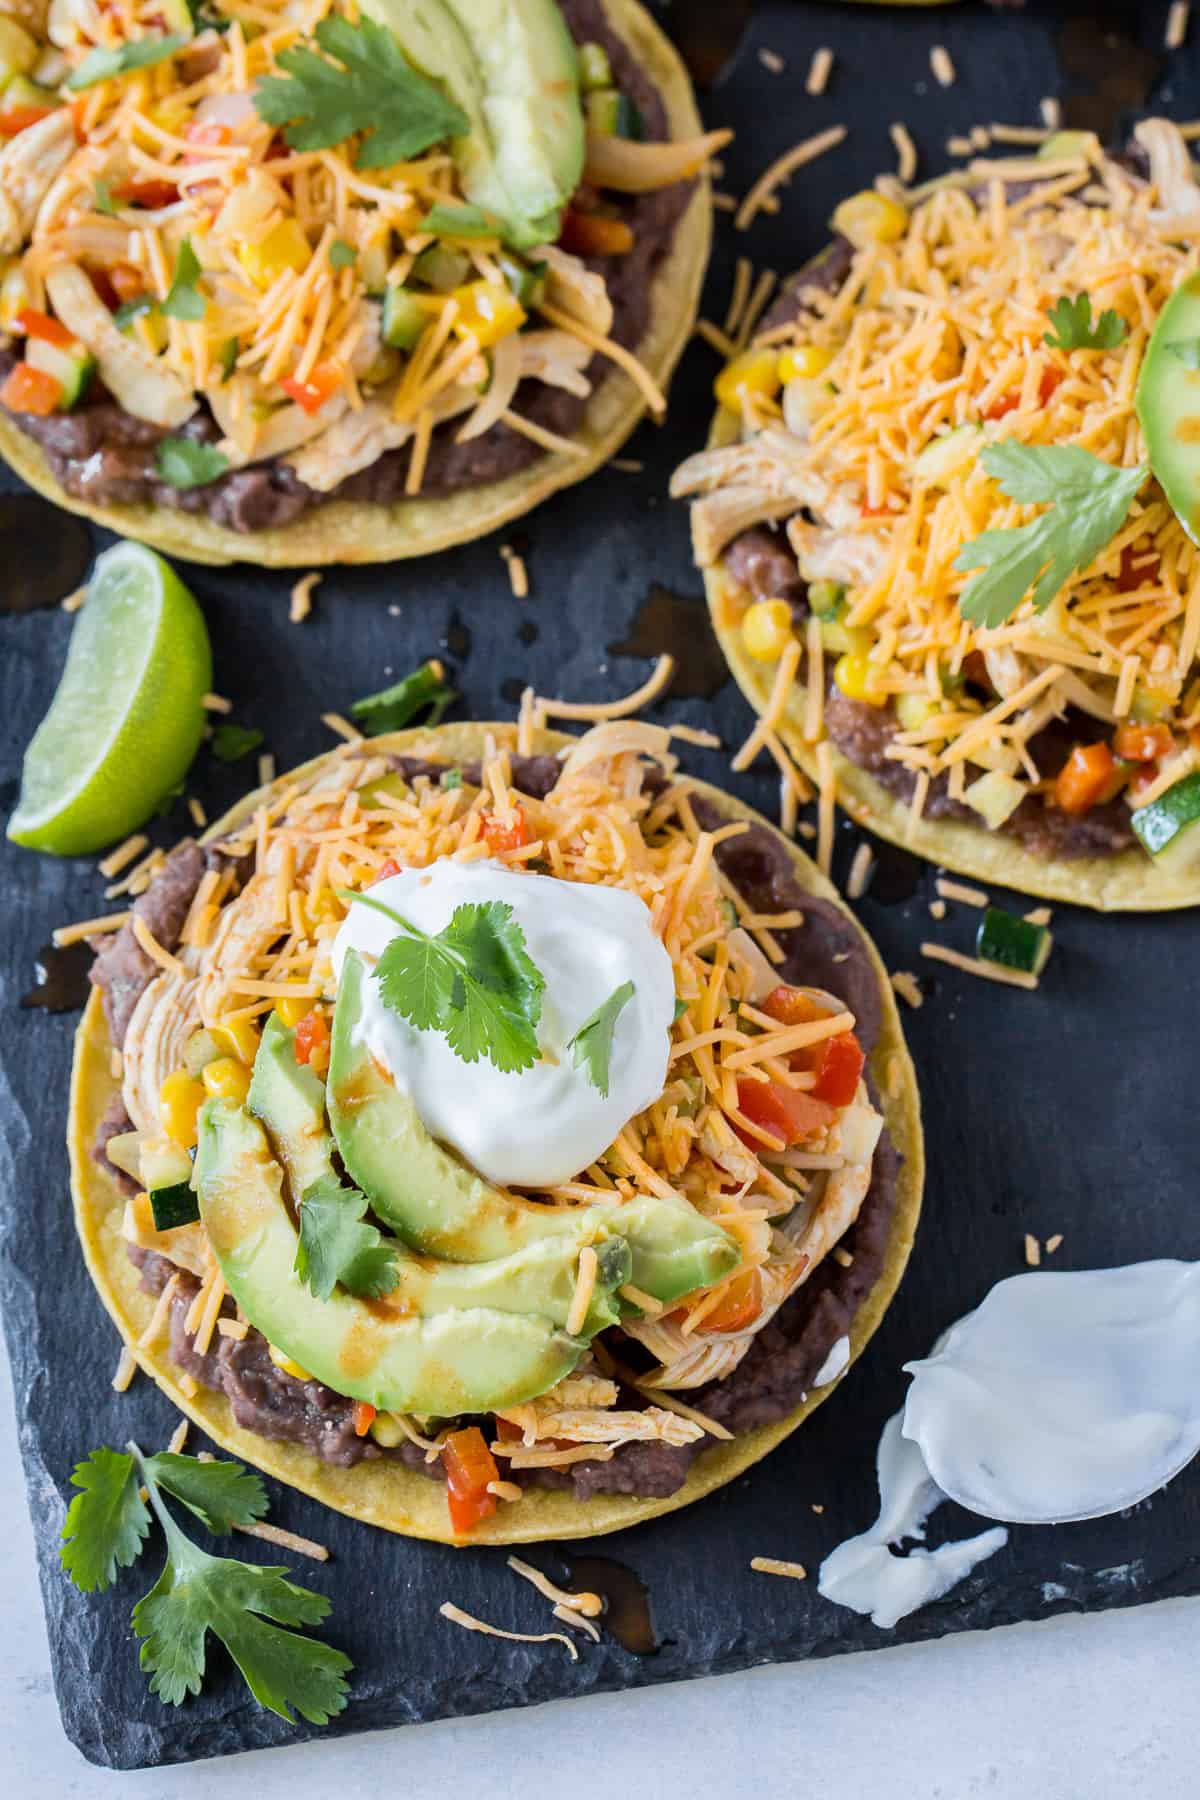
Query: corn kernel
x=803 y=362
x=292 y=1011
x=226 y=1079
x=321 y=906
x=766 y=629
x=488 y=310
x=858 y=679
x=283 y=1361
x=756 y=372
x=385 y=1431
x=238 y=1038
x=870 y=218
x=284 y=247
x=179 y=1101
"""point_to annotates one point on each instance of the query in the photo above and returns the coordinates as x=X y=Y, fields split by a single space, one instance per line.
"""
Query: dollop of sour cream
x=543 y=1125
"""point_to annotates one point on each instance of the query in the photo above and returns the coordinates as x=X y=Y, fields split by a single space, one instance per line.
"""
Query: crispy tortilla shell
x=384 y=1492
x=345 y=531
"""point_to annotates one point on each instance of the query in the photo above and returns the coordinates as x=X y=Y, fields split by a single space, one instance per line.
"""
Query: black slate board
x=1069 y=1110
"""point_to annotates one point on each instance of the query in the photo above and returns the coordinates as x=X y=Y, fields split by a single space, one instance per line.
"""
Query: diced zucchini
x=174 y=1206
x=1012 y=942
x=404 y=318
x=1168 y=829
x=995 y=797
x=18 y=51
x=613 y=114
x=124 y=1152
x=441 y=268
x=526 y=280
x=913 y=710
x=164 y=1163
x=941 y=460
x=201 y=1049
x=178 y=16
x=826 y=599
x=20 y=93
x=595 y=70
x=72 y=366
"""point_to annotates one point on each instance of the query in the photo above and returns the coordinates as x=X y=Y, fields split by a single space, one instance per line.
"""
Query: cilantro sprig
x=1073 y=327
x=184 y=299
x=336 y=1245
x=362 y=83
x=230 y=742
x=103 y=64
x=1089 y=501
x=474 y=982
x=593 y=1042
x=392 y=708
x=183 y=463
x=248 y=1607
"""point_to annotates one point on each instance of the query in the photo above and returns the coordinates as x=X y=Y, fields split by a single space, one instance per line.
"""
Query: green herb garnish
x=227 y=358
x=123 y=59
x=452 y=779
x=393 y=707
x=459 y=222
x=102 y=199
x=1074 y=329
x=362 y=84
x=184 y=463
x=1089 y=499
x=106 y=1528
x=133 y=309
x=231 y=742
x=184 y=299
x=593 y=1041
x=341 y=254
x=337 y=1246
x=474 y=982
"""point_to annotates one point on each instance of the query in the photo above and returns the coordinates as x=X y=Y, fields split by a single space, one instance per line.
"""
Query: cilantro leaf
x=183 y=463
x=220 y=1494
x=231 y=742
x=227 y=357
x=102 y=199
x=337 y=1246
x=593 y=1041
x=341 y=254
x=143 y=53
x=184 y=299
x=393 y=707
x=1187 y=350
x=1074 y=329
x=474 y=982
x=106 y=1523
x=361 y=84
x=459 y=222
x=197 y=1593
x=1089 y=499
x=133 y=309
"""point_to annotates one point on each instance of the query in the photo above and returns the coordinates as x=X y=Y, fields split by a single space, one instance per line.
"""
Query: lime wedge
x=127 y=718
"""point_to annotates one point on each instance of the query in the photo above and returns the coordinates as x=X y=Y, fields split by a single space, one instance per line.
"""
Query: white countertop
x=1095 y=1708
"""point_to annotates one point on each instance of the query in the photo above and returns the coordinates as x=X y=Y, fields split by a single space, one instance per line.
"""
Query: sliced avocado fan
x=512 y=67
x=432 y=1200
x=1168 y=403
x=461 y=1353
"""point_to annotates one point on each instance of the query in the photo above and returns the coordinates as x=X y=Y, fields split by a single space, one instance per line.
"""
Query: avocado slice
x=437 y=1204
x=511 y=66
x=470 y=1357
x=539 y=1278
x=1168 y=403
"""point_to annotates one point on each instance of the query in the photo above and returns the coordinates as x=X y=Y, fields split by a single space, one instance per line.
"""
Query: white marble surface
x=1099 y=1708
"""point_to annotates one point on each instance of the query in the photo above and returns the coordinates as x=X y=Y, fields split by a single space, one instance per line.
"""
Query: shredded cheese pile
x=942 y=328
x=336 y=828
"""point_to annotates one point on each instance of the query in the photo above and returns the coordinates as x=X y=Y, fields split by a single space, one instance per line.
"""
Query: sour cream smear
x=541 y=1126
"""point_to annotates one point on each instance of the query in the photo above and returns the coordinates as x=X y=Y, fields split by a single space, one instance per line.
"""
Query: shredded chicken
x=29 y=164
x=163 y=1020
x=824 y=554
x=555 y=358
x=575 y=289
x=1171 y=172
x=359 y=439
x=129 y=371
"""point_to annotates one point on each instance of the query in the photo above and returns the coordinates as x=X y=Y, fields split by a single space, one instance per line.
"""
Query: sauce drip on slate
x=527 y=632
x=1105 y=58
x=895 y=875
x=626 y=1599
x=707 y=34
x=458 y=638
x=668 y=622
x=46 y=553
x=62 y=978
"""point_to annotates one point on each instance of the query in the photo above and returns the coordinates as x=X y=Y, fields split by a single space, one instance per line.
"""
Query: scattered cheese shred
x=216 y=703
x=943 y=67
x=286 y=1540
x=957 y=890
x=1177 y=25
x=819 y=71
x=589 y=1604
x=123 y=855
x=783 y=167
x=1053 y=1243
x=518 y=574
x=771 y=1565
x=906 y=152
x=300 y=601
x=457 y=1616
x=1033 y=1250
x=86 y=928
x=860 y=872
x=974 y=965
x=154 y=950
x=599 y=710
x=908 y=988
x=772 y=61
x=125 y=1371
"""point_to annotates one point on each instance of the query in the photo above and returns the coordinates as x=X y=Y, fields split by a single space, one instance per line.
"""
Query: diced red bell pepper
x=507 y=1431
x=1050 y=379
x=311 y=395
x=839 y=1070
x=312 y=1041
x=502 y=835
x=16 y=119
x=364 y=1417
x=792 y=1006
x=1142 y=743
x=40 y=325
x=469 y=1466
x=739 y=1305
x=30 y=390
x=203 y=134
x=390 y=867
x=594 y=234
x=789 y=1114
x=1089 y=776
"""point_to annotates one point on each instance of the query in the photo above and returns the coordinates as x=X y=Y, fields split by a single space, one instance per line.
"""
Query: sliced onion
x=617 y=738
x=629 y=167
x=506 y=373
